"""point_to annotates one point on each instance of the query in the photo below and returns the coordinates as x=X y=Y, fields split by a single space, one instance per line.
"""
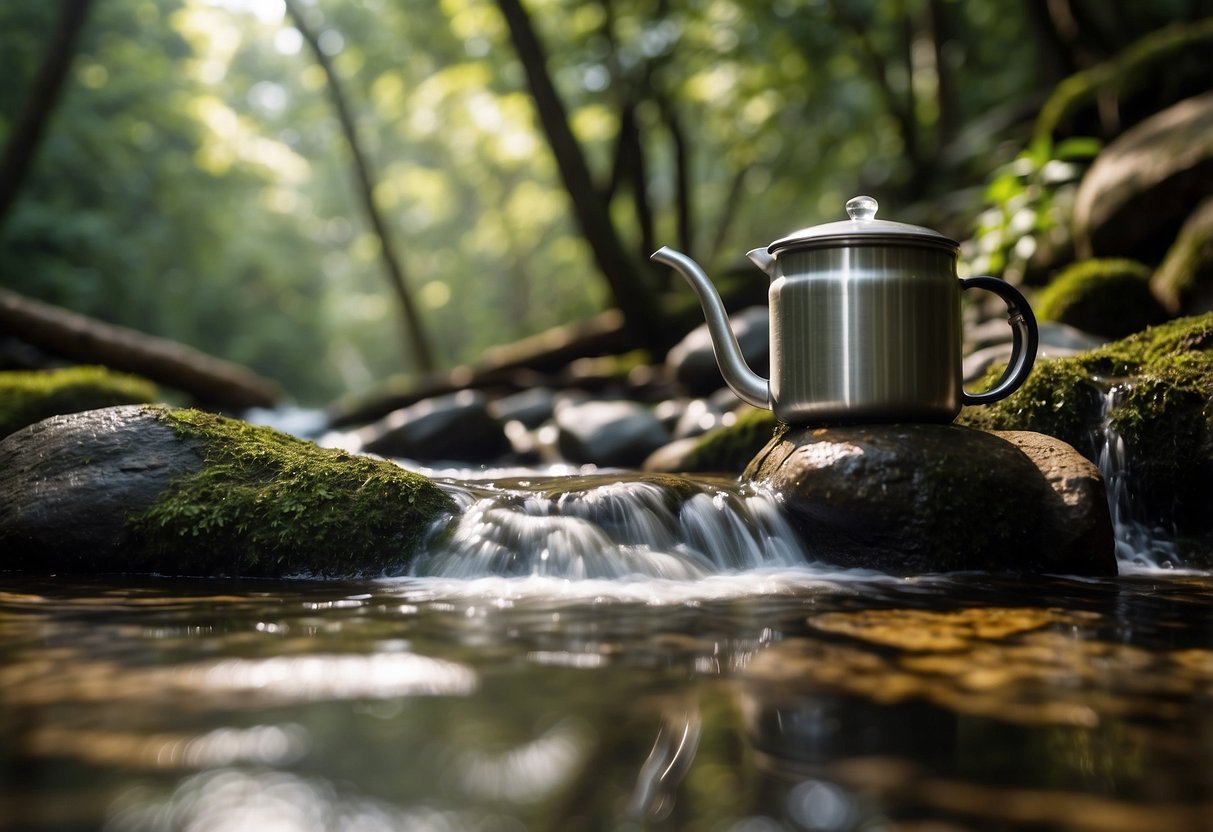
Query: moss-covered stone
x=731 y=448
x=265 y=503
x=29 y=396
x=1109 y=297
x=1164 y=382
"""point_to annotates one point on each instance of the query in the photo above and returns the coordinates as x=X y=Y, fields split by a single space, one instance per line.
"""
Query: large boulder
x=915 y=498
x=183 y=492
x=1144 y=184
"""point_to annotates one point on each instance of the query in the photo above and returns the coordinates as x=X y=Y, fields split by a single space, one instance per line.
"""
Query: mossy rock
x=1109 y=297
x=29 y=396
x=1163 y=378
x=720 y=450
x=184 y=492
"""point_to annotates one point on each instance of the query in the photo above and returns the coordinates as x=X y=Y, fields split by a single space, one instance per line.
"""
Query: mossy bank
x=1160 y=382
x=29 y=396
x=238 y=500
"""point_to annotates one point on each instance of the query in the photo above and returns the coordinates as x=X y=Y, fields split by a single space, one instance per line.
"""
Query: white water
x=604 y=527
x=1140 y=545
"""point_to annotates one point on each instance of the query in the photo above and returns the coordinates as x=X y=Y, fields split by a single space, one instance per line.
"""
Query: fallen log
x=508 y=367
x=211 y=381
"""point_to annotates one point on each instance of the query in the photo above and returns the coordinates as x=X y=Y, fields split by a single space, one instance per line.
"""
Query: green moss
x=1108 y=297
x=732 y=448
x=268 y=504
x=1165 y=417
x=29 y=396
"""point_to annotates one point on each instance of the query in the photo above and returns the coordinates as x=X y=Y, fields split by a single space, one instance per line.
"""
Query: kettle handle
x=1025 y=339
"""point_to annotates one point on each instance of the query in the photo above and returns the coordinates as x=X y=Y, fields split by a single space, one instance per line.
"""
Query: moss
x=268 y=504
x=732 y=448
x=1109 y=297
x=29 y=396
x=1165 y=417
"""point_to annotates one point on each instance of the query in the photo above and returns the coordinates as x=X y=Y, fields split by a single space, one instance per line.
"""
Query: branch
x=43 y=95
x=423 y=357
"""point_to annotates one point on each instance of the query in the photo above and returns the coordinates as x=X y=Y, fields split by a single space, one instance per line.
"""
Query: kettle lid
x=862 y=229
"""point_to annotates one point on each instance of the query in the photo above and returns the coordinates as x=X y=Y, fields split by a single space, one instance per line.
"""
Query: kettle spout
x=748 y=385
x=761 y=258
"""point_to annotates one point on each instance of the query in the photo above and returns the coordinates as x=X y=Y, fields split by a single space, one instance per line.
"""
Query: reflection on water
x=770 y=699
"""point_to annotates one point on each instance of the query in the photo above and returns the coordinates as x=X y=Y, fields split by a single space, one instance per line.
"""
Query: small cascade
x=1138 y=542
x=599 y=526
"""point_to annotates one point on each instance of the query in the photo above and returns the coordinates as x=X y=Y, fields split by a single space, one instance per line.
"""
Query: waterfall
x=1138 y=541
x=603 y=527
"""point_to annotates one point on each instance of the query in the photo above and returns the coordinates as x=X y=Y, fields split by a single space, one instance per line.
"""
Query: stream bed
x=770 y=698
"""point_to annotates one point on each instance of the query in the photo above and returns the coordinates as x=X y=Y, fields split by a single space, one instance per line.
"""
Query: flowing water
x=585 y=653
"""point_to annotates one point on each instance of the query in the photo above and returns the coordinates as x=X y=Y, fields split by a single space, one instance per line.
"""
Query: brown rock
x=914 y=498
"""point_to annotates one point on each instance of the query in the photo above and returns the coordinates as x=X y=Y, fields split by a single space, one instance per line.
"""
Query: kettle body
x=865 y=325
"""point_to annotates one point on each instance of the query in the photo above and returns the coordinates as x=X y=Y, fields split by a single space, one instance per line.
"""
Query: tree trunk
x=626 y=278
x=423 y=357
x=87 y=340
x=40 y=102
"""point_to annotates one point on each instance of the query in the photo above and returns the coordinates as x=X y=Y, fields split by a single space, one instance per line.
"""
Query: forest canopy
x=196 y=180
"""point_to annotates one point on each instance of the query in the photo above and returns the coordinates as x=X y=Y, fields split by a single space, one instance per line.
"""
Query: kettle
x=865 y=324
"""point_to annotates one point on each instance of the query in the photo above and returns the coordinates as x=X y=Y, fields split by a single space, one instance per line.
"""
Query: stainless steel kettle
x=865 y=324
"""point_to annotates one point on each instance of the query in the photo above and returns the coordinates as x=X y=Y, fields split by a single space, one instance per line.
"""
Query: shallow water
x=771 y=699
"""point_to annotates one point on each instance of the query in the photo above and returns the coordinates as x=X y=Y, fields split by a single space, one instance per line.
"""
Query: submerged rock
x=183 y=492
x=914 y=498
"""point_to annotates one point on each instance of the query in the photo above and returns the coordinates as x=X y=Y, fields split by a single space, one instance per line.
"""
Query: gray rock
x=531 y=407
x=454 y=428
x=1056 y=341
x=610 y=434
x=64 y=501
x=693 y=363
x=1142 y=186
x=915 y=498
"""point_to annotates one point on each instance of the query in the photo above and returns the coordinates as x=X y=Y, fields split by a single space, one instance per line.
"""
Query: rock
x=1080 y=521
x=915 y=498
x=698 y=417
x=183 y=492
x=723 y=450
x=67 y=485
x=1056 y=341
x=454 y=428
x=610 y=434
x=1141 y=187
x=693 y=363
x=1109 y=297
x=1183 y=283
x=530 y=407
x=1154 y=390
x=30 y=396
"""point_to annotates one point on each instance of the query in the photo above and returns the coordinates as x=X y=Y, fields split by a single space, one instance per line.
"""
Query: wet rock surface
x=910 y=499
x=68 y=483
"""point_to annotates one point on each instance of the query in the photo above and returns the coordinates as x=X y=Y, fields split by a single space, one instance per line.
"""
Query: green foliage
x=27 y=397
x=1109 y=297
x=193 y=182
x=268 y=504
x=1030 y=202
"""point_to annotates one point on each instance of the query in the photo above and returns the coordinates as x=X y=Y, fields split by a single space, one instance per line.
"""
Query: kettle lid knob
x=862 y=208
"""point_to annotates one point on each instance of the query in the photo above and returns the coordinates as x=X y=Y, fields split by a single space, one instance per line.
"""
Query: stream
x=597 y=651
